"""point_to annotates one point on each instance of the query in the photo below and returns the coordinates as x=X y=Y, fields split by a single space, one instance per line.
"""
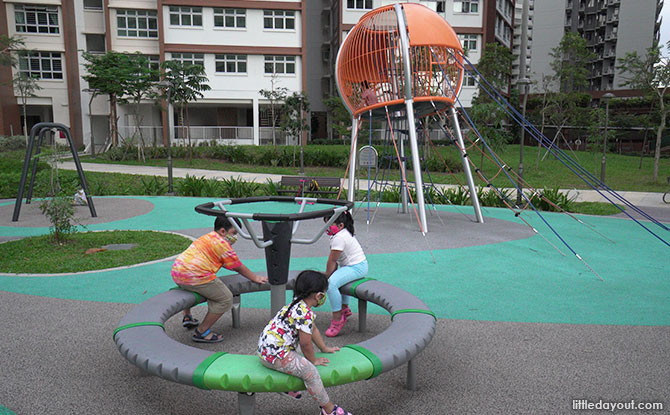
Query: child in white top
x=294 y=324
x=346 y=263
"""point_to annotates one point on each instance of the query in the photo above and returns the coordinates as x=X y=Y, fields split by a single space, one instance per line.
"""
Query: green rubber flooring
x=525 y=280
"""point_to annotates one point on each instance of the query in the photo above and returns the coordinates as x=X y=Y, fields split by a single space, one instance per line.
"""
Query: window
x=466 y=6
x=137 y=23
x=190 y=58
x=231 y=63
x=95 y=43
x=93 y=4
x=359 y=4
x=469 y=42
x=469 y=79
x=154 y=61
x=230 y=18
x=280 y=64
x=279 y=19
x=41 y=65
x=36 y=19
x=440 y=6
x=185 y=16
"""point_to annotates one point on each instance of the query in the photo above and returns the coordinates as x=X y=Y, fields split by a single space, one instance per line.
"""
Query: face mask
x=231 y=238
x=321 y=300
x=332 y=230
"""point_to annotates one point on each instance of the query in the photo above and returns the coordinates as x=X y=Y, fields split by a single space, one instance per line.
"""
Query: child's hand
x=260 y=280
x=321 y=361
x=330 y=349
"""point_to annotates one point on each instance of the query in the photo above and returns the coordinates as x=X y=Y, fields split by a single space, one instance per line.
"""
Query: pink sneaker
x=336 y=326
x=346 y=311
x=336 y=411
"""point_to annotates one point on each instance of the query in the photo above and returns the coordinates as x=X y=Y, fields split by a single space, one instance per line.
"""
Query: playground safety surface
x=521 y=328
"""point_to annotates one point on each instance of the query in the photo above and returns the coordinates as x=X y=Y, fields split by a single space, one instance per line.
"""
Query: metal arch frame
x=43 y=127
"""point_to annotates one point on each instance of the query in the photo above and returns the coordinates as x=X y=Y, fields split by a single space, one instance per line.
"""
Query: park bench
x=308 y=185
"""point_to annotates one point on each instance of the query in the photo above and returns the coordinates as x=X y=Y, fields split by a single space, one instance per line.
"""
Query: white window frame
x=277 y=16
x=467 y=39
x=36 y=17
x=227 y=59
x=100 y=7
x=466 y=6
x=359 y=4
x=189 y=58
x=238 y=16
x=280 y=64
x=185 y=16
x=469 y=81
x=37 y=64
x=137 y=15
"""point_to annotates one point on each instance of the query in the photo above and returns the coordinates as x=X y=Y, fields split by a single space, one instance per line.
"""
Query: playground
x=519 y=328
x=490 y=310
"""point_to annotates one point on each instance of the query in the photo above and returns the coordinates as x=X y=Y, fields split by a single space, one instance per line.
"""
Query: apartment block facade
x=244 y=46
x=611 y=28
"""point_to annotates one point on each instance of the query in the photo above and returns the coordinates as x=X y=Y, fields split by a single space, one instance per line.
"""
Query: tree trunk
x=25 y=122
x=659 y=136
x=644 y=145
x=112 y=120
x=188 y=135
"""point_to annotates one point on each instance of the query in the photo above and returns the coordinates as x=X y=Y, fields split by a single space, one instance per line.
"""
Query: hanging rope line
x=564 y=158
x=500 y=164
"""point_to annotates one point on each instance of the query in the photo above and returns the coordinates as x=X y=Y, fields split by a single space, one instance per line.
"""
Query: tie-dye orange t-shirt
x=203 y=259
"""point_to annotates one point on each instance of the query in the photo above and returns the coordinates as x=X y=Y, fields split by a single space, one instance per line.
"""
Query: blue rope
x=523 y=122
x=532 y=130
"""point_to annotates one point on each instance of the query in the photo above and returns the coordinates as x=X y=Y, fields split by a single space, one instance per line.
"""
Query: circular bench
x=141 y=339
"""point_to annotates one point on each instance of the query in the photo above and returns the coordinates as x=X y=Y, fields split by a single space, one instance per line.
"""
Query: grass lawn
x=38 y=255
x=622 y=171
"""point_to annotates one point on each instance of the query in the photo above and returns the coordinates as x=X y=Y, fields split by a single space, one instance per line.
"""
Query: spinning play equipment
x=402 y=61
x=141 y=336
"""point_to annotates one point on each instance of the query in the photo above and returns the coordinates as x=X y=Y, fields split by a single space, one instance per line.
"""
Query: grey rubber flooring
x=58 y=358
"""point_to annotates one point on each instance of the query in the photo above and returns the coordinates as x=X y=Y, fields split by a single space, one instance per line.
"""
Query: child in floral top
x=293 y=325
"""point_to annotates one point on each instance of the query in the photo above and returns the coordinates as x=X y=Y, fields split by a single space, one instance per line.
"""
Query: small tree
x=25 y=86
x=569 y=62
x=185 y=83
x=650 y=73
x=340 y=118
x=7 y=45
x=495 y=66
x=293 y=120
x=139 y=86
x=276 y=94
x=109 y=74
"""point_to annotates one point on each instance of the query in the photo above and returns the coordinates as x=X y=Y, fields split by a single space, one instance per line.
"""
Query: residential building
x=611 y=28
x=244 y=46
x=516 y=48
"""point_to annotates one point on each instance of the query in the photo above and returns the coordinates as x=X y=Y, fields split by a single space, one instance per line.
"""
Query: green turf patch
x=595 y=208
x=38 y=255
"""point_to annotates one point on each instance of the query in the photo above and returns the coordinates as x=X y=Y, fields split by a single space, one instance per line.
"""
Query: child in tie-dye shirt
x=195 y=270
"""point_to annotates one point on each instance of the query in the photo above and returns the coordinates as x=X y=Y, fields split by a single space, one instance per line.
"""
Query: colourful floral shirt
x=203 y=259
x=282 y=335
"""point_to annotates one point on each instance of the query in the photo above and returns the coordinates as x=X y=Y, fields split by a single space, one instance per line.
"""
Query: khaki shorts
x=219 y=298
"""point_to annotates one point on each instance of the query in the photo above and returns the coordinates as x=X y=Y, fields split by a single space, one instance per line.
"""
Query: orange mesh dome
x=370 y=70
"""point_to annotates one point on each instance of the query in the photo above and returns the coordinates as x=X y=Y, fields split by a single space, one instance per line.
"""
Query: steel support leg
x=246 y=403
x=466 y=168
x=411 y=375
x=351 y=191
x=362 y=315
x=235 y=312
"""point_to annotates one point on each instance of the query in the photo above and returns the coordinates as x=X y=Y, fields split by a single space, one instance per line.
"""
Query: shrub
x=553 y=198
x=12 y=142
x=60 y=212
x=154 y=186
x=191 y=186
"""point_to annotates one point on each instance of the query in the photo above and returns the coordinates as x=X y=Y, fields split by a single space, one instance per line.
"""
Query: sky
x=665 y=26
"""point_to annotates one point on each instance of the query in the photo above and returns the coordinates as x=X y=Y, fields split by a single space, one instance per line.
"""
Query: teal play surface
x=524 y=280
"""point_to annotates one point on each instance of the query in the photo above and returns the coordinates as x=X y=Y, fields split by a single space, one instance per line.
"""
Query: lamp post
x=607 y=98
x=524 y=82
x=168 y=113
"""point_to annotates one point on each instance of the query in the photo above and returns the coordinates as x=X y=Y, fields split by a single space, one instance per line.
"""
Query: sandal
x=292 y=395
x=189 y=322
x=202 y=337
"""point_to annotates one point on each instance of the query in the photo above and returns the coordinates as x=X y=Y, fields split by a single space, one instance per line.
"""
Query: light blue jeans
x=340 y=277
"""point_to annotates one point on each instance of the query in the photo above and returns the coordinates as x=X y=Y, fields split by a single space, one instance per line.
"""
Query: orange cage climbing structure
x=402 y=59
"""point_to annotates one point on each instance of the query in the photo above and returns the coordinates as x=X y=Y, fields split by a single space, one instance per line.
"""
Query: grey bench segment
x=294 y=184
